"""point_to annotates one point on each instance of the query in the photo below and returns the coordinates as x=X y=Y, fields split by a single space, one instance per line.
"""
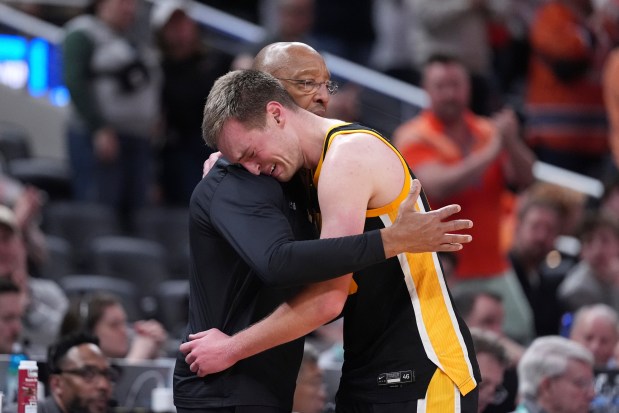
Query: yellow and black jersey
x=400 y=323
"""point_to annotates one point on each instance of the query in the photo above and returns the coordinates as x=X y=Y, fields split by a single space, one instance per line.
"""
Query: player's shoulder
x=357 y=141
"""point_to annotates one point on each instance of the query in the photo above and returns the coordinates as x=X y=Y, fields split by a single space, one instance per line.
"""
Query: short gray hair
x=596 y=310
x=241 y=95
x=548 y=357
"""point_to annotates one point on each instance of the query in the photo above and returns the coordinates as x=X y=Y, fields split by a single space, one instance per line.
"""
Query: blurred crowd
x=509 y=82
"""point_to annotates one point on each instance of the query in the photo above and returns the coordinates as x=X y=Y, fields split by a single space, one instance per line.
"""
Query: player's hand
x=208 y=352
x=210 y=162
x=415 y=231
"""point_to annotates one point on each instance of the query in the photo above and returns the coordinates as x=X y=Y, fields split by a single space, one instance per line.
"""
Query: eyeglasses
x=90 y=373
x=310 y=86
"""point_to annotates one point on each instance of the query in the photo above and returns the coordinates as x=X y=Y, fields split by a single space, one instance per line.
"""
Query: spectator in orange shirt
x=566 y=119
x=471 y=160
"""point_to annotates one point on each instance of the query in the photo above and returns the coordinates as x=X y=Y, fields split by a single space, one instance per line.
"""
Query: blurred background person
x=566 y=118
x=11 y=313
x=44 y=302
x=540 y=268
x=555 y=375
x=394 y=20
x=484 y=312
x=493 y=361
x=104 y=316
x=27 y=202
x=190 y=68
x=114 y=84
x=596 y=327
x=460 y=29
x=595 y=279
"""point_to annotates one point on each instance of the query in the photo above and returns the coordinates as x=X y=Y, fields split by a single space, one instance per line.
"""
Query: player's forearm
x=313 y=307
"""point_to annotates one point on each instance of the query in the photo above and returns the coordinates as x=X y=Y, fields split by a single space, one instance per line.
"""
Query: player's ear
x=276 y=112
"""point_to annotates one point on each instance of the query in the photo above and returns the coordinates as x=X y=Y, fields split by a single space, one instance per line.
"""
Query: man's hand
x=415 y=231
x=208 y=352
x=210 y=162
x=506 y=123
x=150 y=337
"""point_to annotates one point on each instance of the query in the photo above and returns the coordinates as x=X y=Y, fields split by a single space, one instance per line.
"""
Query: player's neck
x=313 y=131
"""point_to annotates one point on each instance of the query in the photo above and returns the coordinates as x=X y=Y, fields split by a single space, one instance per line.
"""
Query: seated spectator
x=11 y=312
x=597 y=328
x=45 y=302
x=103 y=316
x=555 y=375
x=81 y=379
x=492 y=360
x=483 y=310
x=310 y=395
x=573 y=202
x=594 y=279
x=539 y=267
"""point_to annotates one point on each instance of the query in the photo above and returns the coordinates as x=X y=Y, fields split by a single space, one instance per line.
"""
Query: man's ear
x=545 y=384
x=56 y=385
x=277 y=112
